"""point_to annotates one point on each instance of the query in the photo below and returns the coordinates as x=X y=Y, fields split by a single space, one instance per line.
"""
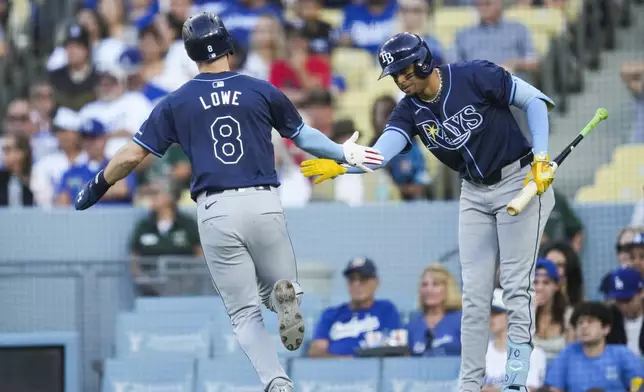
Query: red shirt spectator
x=286 y=75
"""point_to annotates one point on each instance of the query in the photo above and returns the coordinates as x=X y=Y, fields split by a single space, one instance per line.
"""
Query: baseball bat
x=530 y=190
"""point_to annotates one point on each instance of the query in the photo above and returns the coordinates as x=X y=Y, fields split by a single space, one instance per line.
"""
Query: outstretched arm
x=119 y=167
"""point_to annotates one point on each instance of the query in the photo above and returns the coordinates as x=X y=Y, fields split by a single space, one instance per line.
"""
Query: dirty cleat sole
x=290 y=320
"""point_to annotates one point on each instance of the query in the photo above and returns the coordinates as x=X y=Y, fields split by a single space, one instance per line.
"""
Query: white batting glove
x=359 y=156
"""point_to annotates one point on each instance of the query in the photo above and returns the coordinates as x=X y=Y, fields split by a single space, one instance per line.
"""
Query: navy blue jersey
x=470 y=128
x=223 y=123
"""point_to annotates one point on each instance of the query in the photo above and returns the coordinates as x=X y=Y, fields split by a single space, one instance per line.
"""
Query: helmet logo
x=386 y=57
x=210 y=48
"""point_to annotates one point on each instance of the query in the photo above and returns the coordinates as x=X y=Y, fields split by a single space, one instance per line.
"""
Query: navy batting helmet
x=403 y=49
x=206 y=38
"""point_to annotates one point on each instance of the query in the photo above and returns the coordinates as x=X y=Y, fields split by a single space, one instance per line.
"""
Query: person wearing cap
x=47 y=172
x=623 y=246
x=626 y=291
x=121 y=112
x=166 y=231
x=495 y=359
x=74 y=83
x=590 y=362
x=341 y=328
x=552 y=309
x=130 y=61
x=94 y=138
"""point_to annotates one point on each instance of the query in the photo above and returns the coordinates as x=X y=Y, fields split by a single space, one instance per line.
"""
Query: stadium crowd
x=117 y=59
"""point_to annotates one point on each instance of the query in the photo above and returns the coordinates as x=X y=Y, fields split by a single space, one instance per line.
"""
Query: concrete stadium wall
x=67 y=271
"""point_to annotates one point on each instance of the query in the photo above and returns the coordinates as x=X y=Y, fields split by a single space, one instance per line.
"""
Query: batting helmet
x=403 y=49
x=206 y=38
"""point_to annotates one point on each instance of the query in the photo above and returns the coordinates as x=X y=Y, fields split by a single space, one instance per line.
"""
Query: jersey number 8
x=226 y=135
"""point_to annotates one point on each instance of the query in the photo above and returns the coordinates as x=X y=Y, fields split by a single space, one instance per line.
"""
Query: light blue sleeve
x=536 y=105
x=390 y=144
x=315 y=142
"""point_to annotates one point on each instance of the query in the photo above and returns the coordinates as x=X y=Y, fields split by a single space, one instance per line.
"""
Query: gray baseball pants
x=487 y=233
x=247 y=249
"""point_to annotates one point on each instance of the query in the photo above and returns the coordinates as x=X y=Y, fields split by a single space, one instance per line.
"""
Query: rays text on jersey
x=452 y=133
x=218 y=98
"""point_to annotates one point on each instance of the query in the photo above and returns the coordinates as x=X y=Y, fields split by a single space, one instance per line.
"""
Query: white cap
x=497 y=300
x=67 y=119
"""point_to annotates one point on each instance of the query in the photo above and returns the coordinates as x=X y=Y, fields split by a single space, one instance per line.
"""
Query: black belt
x=497 y=175
x=210 y=192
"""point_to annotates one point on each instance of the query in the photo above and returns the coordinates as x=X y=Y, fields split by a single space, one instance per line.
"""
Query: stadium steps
x=603 y=88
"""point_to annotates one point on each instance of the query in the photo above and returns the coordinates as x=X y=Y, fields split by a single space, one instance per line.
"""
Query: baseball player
x=461 y=112
x=223 y=122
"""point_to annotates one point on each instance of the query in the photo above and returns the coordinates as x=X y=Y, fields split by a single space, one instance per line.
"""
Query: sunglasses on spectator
x=623 y=248
x=18 y=117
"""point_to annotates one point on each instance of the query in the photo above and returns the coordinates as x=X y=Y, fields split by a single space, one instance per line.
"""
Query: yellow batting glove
x=542 y=172
x=324 y=168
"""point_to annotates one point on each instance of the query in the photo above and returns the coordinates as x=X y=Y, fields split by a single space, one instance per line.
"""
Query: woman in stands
x=267 y=44
x=571 y=279
x=552 y=309
x=436 y=329
x=16 y=172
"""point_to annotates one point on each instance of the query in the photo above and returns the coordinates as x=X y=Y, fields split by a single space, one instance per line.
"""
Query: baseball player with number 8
x=461 y=113
x=223 y=121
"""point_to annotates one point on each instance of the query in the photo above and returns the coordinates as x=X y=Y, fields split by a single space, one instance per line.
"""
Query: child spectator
x=436 y=329
x=342 y=328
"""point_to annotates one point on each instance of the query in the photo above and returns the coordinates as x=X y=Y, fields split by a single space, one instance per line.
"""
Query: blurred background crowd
x=78 y=78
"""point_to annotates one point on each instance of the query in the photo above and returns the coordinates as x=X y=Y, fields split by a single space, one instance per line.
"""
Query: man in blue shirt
x=590 y=362
x=242 y=15
x=73 y=180
x=341 y=329
x=367 y=25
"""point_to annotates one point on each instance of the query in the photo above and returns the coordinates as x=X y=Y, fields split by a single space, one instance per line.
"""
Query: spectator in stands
x=267 y=45
x=47 y=172
x=130 y=62
x=590 y=362
x=94 y=136
x=302 y=71
x=564 y=225
x=415 y=18
x=498 y=40
x=121 y=112
x=116 y=20
x=142 y=12
x=637 y=251
x=408 y=171
x=623 y=245
x=638 y=212
x=436 y=329
x=74 y=83
x=154 y=69
x=173 y=165
x=367 y=25
x=319 y=108
x=41 y=100
x=23 y=119
x=309 y=22
x=295 y=189
x=164 y=232
x=342 y=328
x=633 y=75
x=571 y=278
x=497 y=352
x=241 y=16
x=16 y=171
x=626 y=290
x=170 y=26
x=104 y=49
x=552 y=309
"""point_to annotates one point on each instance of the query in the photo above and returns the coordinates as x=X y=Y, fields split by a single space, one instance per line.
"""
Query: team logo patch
x=454 y=132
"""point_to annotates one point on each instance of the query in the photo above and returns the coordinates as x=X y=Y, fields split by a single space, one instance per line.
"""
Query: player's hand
x=359 y=156
x=92 y=192
x=324 y=168
x=542 y=172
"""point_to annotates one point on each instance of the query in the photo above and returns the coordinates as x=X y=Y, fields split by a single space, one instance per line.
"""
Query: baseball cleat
x=290 y=320
x=280 y=385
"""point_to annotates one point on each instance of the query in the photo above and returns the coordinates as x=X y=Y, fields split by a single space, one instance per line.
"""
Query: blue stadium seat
x=228 y=374
x=420 y=374
x=316 y=375
x=139 y=334
x=175 y=374
x=188 y=304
